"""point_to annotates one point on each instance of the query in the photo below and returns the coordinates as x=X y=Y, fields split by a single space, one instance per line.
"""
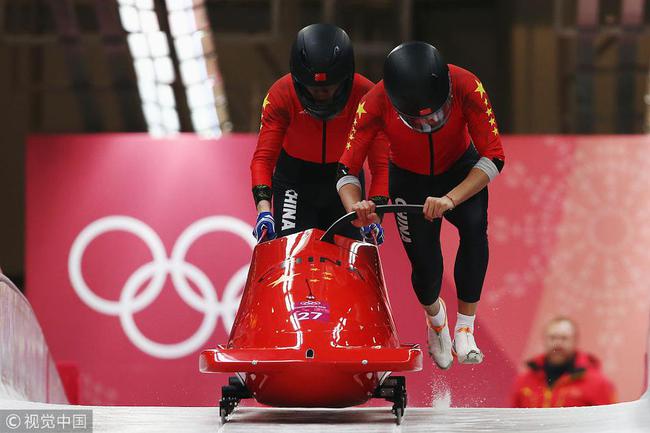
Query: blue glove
x=373 y=233
x=265 y=222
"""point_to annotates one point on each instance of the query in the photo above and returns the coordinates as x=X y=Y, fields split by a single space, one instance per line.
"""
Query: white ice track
x=631 y=417
x=624 y=417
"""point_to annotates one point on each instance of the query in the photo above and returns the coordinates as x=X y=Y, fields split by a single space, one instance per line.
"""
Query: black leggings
x=421 y=238
x=305 y=197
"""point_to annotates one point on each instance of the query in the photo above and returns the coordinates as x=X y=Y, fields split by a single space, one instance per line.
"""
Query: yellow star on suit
x=361 y=110
x=479 y=88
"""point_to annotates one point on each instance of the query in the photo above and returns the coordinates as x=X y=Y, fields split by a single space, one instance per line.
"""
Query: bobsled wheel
x=399 y=406
x=225 y=408
x=228 y=402
x=393 y=389
x=231 y=395
x=224 y=414
x=399 y=413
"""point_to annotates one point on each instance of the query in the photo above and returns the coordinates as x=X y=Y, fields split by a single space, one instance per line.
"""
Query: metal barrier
x=647 y=368
x=27 y=371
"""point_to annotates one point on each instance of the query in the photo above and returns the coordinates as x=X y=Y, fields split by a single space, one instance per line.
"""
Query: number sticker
x=311 y=310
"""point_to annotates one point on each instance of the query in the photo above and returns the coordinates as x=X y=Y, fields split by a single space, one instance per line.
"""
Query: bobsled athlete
x=444 y=150
x=306 y=118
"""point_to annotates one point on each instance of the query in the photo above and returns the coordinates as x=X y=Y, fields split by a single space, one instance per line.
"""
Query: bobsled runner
x=314 y=327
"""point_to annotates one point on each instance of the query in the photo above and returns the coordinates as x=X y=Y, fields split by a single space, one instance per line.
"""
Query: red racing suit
x=287 y=126
x=432 y=164
x=471 y=120
x=583 y=385
x=295 y=162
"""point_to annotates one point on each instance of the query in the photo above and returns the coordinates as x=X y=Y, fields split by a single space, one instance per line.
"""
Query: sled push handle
x=380 y=210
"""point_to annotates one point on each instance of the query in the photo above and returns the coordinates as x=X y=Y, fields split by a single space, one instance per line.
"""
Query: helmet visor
x=429 y=123
x=323 y=102
x=323 y=94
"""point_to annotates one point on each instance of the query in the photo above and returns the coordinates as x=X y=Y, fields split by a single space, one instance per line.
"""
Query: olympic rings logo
x=156 y=272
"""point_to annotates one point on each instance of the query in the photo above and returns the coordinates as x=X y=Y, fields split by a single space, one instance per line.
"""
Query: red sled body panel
x=314 y=327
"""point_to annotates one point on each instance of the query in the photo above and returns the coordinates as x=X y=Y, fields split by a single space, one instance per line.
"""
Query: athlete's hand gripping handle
x=366 y=213
x=373 y=233
x=265 y=227
x=346 y=219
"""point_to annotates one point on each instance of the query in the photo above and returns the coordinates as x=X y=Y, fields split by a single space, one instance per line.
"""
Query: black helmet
x=322 y=56
x=418 y=84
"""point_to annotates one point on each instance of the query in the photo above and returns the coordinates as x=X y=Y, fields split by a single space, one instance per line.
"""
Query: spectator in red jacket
x=563 y=376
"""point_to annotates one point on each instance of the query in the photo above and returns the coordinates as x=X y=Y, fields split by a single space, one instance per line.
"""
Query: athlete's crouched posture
x=306 y=118
x=444 y=150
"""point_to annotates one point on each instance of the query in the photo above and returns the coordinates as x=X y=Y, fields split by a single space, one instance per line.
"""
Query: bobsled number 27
x=314 y=327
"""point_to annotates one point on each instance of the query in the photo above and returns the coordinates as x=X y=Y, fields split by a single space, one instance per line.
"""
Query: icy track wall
x=27 y=371
x=646 y=396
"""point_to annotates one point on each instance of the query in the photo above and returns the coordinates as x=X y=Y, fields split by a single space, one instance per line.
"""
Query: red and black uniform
x=578 y=383
x=431 y=164
x=297 y=156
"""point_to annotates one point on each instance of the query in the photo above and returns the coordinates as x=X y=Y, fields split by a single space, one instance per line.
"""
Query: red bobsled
x=314 y=328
